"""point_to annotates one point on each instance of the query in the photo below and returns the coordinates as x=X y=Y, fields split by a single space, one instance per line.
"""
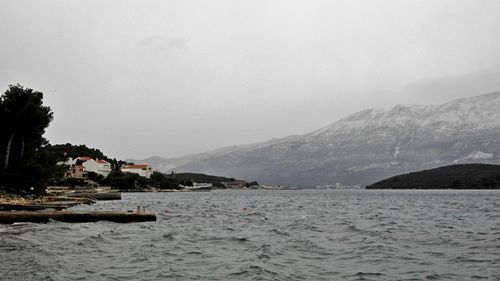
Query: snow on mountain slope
x=368 y=145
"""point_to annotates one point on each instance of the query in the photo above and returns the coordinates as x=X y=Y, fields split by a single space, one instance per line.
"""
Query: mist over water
x=269 y=235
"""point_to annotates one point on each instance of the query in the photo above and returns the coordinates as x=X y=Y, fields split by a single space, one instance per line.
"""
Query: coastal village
x=84 y=169
x=83 y=166
x=87 y=176
x=40 y=182
x=80 y=167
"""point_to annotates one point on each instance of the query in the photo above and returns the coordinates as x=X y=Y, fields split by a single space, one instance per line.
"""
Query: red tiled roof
x=85 y=158
x=135 y=166
x=102 y=161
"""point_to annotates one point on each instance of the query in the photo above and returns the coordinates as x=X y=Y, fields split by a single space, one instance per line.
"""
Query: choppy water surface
x=269 y=235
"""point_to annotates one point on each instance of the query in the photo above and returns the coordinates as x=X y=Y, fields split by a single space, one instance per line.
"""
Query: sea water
x=269 y=235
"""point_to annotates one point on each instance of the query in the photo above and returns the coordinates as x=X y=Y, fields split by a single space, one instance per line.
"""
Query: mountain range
x=362 y=148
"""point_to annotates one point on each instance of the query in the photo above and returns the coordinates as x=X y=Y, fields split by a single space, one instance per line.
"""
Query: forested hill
x=465 y=176
x=196 y=177
x=63 y=151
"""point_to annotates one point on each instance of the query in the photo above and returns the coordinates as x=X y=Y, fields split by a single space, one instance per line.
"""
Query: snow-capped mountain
x=364 y=147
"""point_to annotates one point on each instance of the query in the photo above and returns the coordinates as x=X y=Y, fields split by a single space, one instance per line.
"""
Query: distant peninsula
x=464 y=176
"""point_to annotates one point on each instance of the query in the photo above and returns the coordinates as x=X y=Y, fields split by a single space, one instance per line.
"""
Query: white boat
x=199 y=186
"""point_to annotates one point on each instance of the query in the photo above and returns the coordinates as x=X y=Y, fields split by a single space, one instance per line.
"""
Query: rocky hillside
x=364 y=147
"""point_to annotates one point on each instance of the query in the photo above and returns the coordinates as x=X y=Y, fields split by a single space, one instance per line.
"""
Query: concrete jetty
x=96 y=195
x=9 y=217
x=47 y=203
x=99 y=193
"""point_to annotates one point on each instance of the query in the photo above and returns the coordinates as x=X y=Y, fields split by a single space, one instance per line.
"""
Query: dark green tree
x=125 y=181
x=160 y=180
x=23 y=121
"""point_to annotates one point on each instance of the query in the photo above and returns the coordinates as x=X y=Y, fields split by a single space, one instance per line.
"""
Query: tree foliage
x=131 y=181
x=197 y=177
x=65 y=151
x=24 y=166
x=160 y=180
x=126 y=181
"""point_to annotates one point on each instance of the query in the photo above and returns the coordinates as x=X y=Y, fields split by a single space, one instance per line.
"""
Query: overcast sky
x=170 y=78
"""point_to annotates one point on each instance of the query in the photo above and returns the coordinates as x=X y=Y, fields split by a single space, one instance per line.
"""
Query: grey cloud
x=441 y=89
x=171 y=78
x=160 y=43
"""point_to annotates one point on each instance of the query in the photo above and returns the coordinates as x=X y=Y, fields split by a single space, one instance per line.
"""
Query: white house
x=100 y=167
x=144 y=170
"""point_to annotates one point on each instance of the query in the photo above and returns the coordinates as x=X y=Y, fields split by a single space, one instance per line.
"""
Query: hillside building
x=143 y=170
x=76 y=172
x=100 y=167
x=81 y=166
x=235 y=184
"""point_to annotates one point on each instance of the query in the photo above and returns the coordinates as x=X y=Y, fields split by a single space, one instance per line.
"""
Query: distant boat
x=199 y=186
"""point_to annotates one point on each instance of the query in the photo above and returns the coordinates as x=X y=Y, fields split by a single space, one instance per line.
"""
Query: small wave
x=138 y=259
x=279 y=232
x=169 y=276
x=220 y=238
x=479 y=277
x=263 y=257
x=362 y=275
x=168 y=236
x=255 y=272
x=469 y=260
x=437 y=276
x=435 y=254
x=353 y=228
x=194 y=253
x=239 y=239
x=390 y=223
x=368 y=274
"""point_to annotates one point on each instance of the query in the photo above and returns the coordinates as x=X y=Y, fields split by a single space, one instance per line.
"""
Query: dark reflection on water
x=269 y=235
